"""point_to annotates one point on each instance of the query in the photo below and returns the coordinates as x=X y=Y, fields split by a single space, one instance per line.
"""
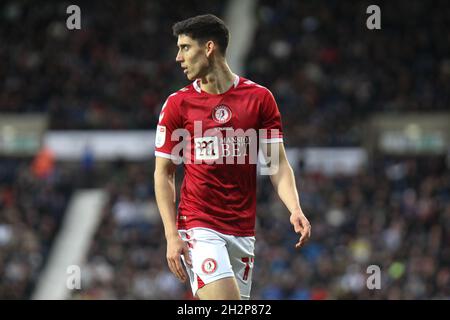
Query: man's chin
x=190 y=77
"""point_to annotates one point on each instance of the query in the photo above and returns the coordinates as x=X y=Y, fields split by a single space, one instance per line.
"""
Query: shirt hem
x=215 y=228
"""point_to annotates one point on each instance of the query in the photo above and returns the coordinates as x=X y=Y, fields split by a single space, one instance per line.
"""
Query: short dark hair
x=203 y=28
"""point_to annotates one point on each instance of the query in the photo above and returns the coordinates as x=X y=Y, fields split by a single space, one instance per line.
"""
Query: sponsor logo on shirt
x=206 y=148
x=226 y=145
x=160 y=136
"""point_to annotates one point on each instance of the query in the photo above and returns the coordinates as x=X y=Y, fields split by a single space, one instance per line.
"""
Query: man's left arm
x=283 y=180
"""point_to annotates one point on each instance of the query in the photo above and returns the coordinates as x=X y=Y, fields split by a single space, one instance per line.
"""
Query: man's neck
x=219 y=80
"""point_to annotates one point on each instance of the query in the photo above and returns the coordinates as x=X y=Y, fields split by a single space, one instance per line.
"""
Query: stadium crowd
x=395 y=215
x=114 y=73
x=327 y=70
x=328 y=74
x=32 y=206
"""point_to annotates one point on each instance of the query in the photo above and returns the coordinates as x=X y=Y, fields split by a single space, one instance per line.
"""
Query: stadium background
x=366 y=119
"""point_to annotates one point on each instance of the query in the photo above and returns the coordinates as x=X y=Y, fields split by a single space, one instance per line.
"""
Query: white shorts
x=216 y=255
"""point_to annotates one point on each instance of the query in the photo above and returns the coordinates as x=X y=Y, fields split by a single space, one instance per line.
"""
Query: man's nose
x=179 y=57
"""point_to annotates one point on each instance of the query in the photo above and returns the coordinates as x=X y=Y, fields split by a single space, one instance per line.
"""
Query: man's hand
x=175 y=248
x=301 y=226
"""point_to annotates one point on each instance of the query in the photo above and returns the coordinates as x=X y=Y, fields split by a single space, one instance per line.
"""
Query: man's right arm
x=166 y=199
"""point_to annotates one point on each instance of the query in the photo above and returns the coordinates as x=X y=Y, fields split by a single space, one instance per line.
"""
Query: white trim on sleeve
x=164 y=155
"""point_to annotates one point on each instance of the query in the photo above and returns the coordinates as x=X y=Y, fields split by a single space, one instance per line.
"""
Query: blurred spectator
x=43 y=163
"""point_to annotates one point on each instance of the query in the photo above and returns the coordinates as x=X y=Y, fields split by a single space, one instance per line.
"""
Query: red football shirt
x=219 y=186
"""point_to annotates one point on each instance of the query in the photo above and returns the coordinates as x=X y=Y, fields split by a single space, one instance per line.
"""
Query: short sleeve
x=270 y=120
x=169 y=121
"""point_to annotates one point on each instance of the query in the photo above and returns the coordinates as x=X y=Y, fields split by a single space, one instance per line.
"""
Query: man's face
x=192 y=57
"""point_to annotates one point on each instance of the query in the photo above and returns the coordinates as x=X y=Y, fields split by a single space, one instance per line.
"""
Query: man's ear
x=209 y=47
